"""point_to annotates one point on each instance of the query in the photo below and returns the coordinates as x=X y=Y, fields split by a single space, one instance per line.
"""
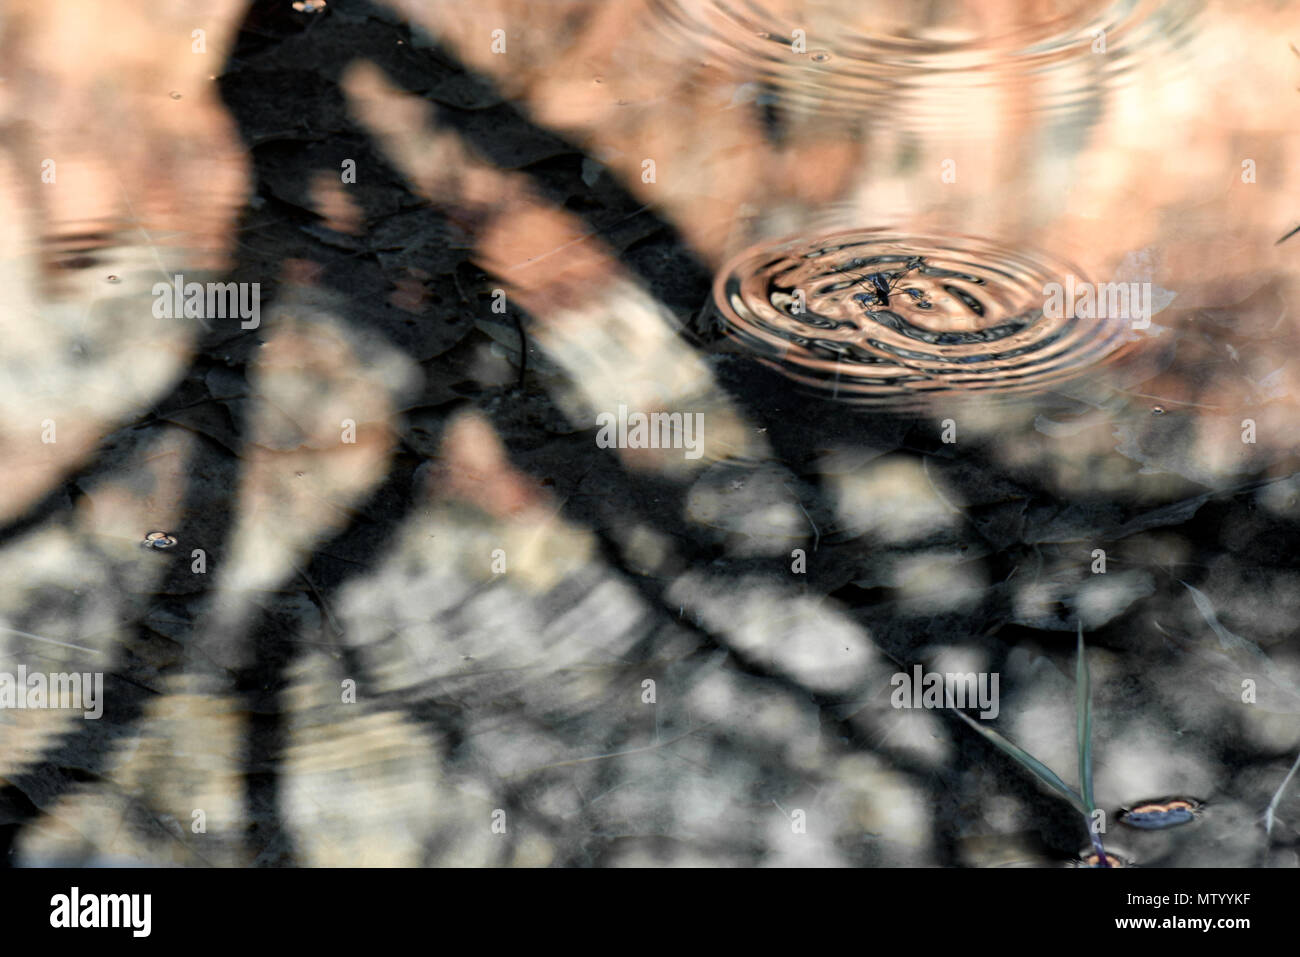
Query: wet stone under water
x=878 y=318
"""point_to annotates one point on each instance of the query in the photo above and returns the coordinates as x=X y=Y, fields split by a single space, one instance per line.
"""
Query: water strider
x=973 y=320
x=884 y=283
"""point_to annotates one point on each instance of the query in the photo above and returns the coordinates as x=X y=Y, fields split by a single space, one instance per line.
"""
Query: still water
x=986 y=312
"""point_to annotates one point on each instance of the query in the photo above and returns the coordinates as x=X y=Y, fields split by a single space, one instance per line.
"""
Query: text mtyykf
x=654 y=430
x=79 y=691
x=933 y=689
x=1106 y=300
x=213 y=300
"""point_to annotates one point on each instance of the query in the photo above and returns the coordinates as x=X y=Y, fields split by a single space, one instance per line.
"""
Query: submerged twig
x=52 y=641
x=1277 y=797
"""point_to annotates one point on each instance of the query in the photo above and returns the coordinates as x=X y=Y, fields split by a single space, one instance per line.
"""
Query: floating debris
x=1166 y=812
x=159 y=540
x=1090 y=858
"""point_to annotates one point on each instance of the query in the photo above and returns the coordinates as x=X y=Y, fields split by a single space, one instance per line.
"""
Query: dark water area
x=573 y=433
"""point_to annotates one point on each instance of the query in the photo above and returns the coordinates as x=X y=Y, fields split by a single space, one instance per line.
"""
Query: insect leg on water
x=881 y=285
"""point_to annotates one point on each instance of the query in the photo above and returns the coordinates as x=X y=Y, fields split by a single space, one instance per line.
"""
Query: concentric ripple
x=930 y=62
x=877 y=318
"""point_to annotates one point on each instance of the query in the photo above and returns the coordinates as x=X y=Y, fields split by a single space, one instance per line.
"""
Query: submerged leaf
x=1027 y=761
x=1083 y=684
x=1227 y=640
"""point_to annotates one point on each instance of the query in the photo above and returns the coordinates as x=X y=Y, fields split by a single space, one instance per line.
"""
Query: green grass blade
x=1083 y=686
x=1027 y=761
